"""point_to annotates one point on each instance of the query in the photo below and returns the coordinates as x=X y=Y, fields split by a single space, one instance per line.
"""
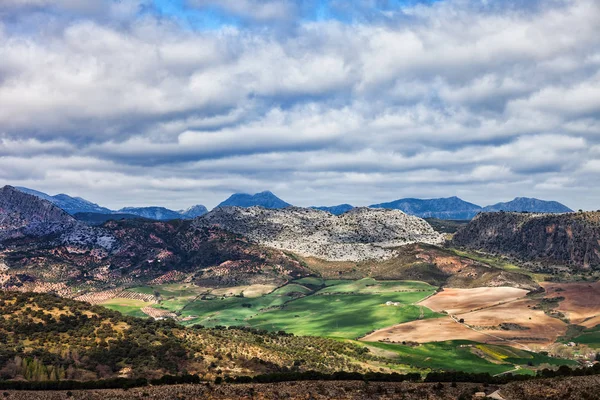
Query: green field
x=343 y=315
x=308 y=306
x=127 y=306
x=463 y=355
x=590 y=337
x=345 y=310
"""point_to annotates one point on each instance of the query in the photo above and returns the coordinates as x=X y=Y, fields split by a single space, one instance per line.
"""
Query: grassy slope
x=341 y=308
x=343 y=315
x=459 y=355
x=590 y=337
x=127 y=306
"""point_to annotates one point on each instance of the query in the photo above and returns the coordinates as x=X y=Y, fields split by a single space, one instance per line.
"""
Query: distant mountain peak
x=335 y=210
x=264 y=199
x=70 y=204
x=529 y=204
x=441 y=208
x=194 y=211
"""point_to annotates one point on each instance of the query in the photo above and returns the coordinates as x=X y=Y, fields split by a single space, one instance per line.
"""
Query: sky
x=182 y=102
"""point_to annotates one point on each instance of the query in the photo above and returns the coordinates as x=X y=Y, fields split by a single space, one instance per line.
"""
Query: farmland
x=309 y=306
x=467 y=356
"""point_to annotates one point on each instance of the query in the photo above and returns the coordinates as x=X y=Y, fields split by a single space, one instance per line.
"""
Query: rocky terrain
x=571 y=240
x=319 y=390
x=26 y=215
x=125 y=252
x=571 y=388
x=359 y=234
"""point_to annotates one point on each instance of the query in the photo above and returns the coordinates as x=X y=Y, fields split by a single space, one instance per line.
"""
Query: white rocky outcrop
x=359 y=234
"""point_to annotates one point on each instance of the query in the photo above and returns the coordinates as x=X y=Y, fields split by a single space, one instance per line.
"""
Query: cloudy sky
x=178 y=102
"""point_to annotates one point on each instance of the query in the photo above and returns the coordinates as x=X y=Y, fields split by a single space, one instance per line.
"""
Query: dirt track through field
x=490 y=315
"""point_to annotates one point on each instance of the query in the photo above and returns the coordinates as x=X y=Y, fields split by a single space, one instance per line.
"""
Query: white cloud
x=451 y=98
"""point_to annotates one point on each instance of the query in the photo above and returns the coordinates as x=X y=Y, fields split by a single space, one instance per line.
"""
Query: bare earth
x=483 y=310
x=582 y=301
x=458 y=301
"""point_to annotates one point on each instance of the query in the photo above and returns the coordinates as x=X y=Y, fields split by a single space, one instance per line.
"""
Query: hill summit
x=264 y=199
x=358 y=234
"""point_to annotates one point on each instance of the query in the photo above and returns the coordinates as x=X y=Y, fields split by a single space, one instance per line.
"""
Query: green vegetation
x=343 y=315
x=47 y=338
x=127 y=306
x=467 y=356
x=308 y=306
x=590 y=337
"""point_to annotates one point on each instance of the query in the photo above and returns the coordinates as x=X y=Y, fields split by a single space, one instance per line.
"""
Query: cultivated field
x=309 y=306
x=468 y=356
x=581 y=303
x=489 y=315
x=459 y=301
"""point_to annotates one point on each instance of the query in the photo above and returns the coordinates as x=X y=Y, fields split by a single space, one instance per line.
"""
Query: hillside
x=68 y=339
x=359 y=234
x=139 y=251
x=444 y=208
x=549 y=239
x=99 y=219
x=421 y=262
x=263 y=199
x=525 y=204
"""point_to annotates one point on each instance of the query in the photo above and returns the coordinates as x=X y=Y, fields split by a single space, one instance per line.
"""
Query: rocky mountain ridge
x=22 y=214
x=71 y=205
x=571 y=239
x=77 y=205
x=454 y=208
x=444 y=208
x=359 y=234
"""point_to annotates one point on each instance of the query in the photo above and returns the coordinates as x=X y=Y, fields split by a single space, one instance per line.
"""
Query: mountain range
x=450 y=208
x=87 y=211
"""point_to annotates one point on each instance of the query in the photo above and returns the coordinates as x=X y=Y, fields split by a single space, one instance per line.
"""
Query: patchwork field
x=309 y=306
x=487 y=315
